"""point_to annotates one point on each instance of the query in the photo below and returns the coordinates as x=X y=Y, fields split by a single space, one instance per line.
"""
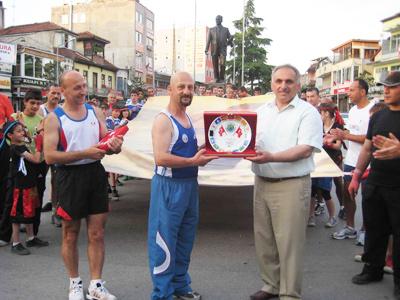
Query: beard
x=185 y=100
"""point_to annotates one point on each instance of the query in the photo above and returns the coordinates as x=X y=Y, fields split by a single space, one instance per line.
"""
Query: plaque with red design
x=230 y=133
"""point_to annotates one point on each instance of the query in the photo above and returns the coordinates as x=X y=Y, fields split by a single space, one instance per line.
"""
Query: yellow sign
x=5 y=83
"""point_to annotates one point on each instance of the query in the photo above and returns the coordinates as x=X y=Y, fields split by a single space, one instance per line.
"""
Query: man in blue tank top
x=174 y=203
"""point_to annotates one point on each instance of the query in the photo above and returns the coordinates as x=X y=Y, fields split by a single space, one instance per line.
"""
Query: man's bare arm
x=364 y=158
x=51 y=139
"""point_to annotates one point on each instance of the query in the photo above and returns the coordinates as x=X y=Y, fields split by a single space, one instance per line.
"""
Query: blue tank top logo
x=185 y=138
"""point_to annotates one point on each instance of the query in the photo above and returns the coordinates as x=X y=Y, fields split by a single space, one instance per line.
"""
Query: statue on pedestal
x=219 y=38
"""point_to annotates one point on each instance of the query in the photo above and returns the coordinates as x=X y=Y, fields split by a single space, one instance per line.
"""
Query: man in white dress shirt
x=289 y=132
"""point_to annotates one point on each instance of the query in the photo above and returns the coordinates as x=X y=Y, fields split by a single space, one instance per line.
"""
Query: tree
x=256 y=70
x=368 y=77
x=50 y=71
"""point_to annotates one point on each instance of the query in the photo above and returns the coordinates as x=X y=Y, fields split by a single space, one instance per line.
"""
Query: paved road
x=223 y=262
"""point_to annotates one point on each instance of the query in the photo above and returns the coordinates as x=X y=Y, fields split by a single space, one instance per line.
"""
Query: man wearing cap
x=381 y=193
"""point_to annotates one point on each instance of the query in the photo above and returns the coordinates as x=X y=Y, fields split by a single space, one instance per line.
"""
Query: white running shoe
x=76 y=291
x=99 y=292
x=346 y=233
x=331 y=222
x=360 y=238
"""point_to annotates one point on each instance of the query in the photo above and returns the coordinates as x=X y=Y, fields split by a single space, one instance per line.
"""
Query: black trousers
x=5 y=222
x=41 y=187
x=381 y=214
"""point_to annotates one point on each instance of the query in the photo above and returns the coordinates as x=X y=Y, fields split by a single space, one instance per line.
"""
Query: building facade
x=388 y=59
x=176 y=50
x=350 y=60
x=127 y=24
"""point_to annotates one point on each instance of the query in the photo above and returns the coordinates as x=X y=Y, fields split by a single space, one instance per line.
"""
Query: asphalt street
x=223 y=263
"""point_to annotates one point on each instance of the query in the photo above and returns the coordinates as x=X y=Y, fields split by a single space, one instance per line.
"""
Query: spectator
x=312 y=95
x=257 y=91
x=243 y=92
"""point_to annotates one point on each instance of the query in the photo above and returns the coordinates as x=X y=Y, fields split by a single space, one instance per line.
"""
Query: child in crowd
x=112 y=122
x=22 y=191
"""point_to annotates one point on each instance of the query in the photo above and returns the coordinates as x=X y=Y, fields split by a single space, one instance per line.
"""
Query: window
x=103 y=80
x=356 y=71
x=79 y=17
x=139 y=61
x=356 y=53
x=38 y=67
x=77 y=70
x=64 y=19
x=139 y=37
x=85 y=75
x=94 y=80
x=149 y=42
x=369 y=53
x=149 y=24
x=139 y=18
x=29 y=65
x=149 y=63
x=18 y=66
x=395 y=68
x=110 y=81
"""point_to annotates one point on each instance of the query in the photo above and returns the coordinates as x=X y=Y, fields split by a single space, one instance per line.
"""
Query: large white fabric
x=136 y=158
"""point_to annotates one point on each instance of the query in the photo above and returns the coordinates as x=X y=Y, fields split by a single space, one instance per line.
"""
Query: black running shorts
x=81 y=191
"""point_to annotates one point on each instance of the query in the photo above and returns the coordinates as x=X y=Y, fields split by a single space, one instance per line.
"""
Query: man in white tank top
x=53 y=98
x=71 y=137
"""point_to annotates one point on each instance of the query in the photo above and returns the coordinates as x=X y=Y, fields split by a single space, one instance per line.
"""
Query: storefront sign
x=29 y=82
x=5 y=82
x=8 y=53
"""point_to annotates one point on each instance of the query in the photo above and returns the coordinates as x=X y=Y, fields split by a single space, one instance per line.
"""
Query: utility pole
x=243 y=33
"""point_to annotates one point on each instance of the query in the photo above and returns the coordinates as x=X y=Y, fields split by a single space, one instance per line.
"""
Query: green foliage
x=136 y=83
x=256 y=70
x=367 y=77
x=50 y=71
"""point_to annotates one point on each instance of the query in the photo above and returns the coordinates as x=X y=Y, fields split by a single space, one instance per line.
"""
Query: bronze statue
x=219 y=38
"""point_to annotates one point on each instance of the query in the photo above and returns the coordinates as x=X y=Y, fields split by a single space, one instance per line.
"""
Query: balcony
x=390 y=49
x=324 y=70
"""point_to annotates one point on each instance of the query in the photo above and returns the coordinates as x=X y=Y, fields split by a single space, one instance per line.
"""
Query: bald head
x=182 y=88
x=179 y=76
x=68 y=75
x=73 y=87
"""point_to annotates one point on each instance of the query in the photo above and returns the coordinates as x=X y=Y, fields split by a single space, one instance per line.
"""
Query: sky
x=301 y=30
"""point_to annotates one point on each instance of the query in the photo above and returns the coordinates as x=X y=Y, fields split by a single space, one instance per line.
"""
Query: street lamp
x=57 y=66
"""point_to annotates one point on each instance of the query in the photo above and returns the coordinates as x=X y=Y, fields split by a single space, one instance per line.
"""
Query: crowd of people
x=63 y=135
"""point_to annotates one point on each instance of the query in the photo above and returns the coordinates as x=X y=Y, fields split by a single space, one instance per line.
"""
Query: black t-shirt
x=333 y=153
x=384 y=172
x=22 y=181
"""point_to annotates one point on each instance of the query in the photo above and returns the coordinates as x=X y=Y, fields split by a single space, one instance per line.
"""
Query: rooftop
x=35 y=27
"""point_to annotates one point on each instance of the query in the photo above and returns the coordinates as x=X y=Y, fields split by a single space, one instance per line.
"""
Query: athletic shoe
x=99 y=292
x=36 y=242
x=20 y=249
x=114 y=195
x=311 y=222
x=332 y=222
x=358 y=258
x=56 y=220
x=346 y=233
x=342 y=214
x=360 y=238
x=388 y=268
x=47 y=207
x=3 y=243
x=189 y=296
x=76 y=291
x=319 y=209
